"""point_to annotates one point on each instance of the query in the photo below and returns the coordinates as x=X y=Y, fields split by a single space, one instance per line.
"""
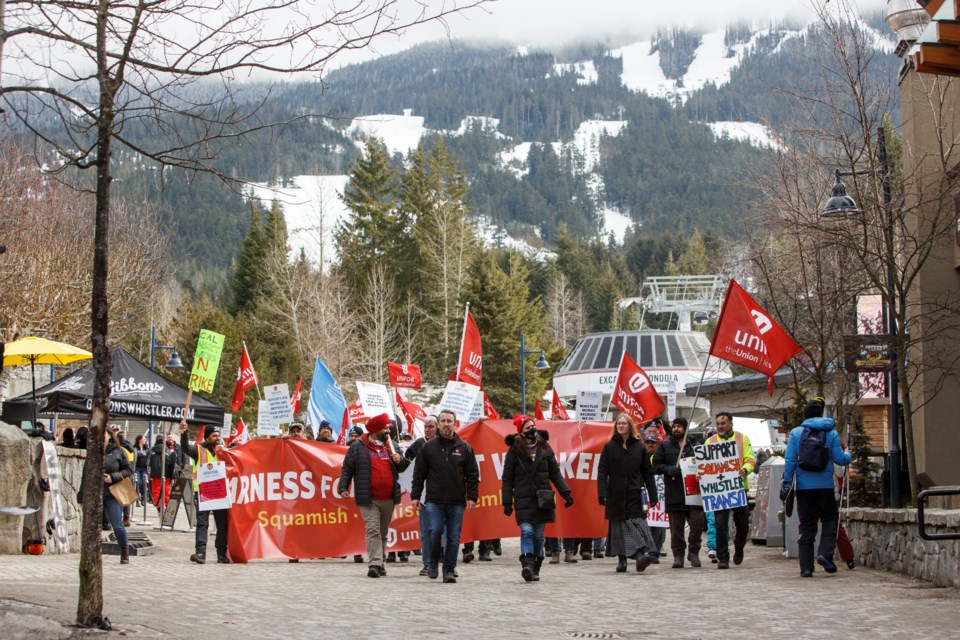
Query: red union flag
x=471 y=354
x=356 y=413
x=238 y=434
x=746 y=334
x=404 y=376
x=488 y=409
x=537 y=411
x=633 y=392
x=246 y=378
x=558 y=410
x=295 y=398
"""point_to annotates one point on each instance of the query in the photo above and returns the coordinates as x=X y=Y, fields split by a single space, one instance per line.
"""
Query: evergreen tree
x=248 y=271
x=865 y=482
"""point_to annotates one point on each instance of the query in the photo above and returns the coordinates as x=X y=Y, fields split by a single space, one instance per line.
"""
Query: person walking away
x=116 y=467
x=666 y=462
x=142 y=456
x=623 y=471
x=163 y=467
x=427 y=553
x=374 y=468
x=529 y=468
x=202 y=454
x=741 y=515
x=448 y=468
x=813 y=448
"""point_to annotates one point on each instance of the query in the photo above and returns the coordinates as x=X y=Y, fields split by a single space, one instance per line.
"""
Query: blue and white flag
x=326 y=399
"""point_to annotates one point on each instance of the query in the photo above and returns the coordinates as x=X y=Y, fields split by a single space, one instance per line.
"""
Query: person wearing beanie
x=325 y=432
x=666 y=462
x=813 y=448
x=529 y=468
x=205 y=452
x=741 y=515
x=373 y=465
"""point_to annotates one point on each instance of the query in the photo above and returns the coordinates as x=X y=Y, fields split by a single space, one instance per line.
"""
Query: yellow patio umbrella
x=34 y=351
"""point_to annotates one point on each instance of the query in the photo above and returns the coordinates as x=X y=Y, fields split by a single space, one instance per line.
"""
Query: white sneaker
x=712 y=554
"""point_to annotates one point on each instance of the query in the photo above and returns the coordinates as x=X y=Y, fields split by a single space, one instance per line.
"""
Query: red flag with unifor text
x=238 y=434
x=404 y=376
x=634 y=393
x=488 y=409
x=411 y=411
x=246 y=378
x=558 y=410
x=537 y=411
x=295 y=398
x=747 y=335
x=470 y=368
x=343 y=437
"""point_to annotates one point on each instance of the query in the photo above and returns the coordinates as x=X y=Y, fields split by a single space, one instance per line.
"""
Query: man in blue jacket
x=811 y=445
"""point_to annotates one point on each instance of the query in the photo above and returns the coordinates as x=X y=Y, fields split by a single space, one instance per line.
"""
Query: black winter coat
x=356 y=467
x=116 y=464
x=168 y=463
x=450 y=471
x=622 y=474
x=522 y=478
x=665 y=463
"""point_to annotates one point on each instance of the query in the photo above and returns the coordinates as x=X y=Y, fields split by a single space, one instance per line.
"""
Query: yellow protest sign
x=206 y=361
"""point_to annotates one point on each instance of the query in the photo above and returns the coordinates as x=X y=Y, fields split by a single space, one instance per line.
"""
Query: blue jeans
x=569 y=544
x=429 y=553
x=445 y=520
x=114 y=512
x=531 y=538
x=142 y=484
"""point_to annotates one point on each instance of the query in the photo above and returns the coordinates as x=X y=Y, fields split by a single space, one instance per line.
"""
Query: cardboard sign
x=657 y=516
x=265 y=424
x=54 y=476
x=212 y=486
x=278 y=403
x=691 y=488
x=460 y=397
x=206 y=361
x=721 y=486
x=227 y=426
x=672 y=400
x=589 y=405
x=374 y=398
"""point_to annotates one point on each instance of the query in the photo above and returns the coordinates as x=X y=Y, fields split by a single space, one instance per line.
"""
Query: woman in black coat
x=528 y=469
x=624 y=471
x=116 y=467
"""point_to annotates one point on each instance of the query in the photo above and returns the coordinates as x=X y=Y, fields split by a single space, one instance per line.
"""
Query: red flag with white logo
x=246 y=378
x=537 y=411
x=558 y=410
x=747 y=335
x=356 y=413
x=344 y=436
x=634 y=393
x=411 y=411
x=471 y=353
x=295 y=398
x=404 y=376
x=488 y=409
x=238 y=434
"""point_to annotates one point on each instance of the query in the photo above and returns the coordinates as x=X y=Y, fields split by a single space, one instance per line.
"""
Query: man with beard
x=448 y=467
x=666 y=462
x=374 y=467
x=205 y=452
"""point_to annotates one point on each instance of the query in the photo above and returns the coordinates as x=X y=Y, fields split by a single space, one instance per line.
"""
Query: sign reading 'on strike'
x=206 y=361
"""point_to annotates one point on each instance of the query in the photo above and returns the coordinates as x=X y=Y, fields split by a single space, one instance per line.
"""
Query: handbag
x=124 y=492
x=546 y=499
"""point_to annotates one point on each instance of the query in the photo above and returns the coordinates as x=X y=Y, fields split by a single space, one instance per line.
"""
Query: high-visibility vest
x=744 y=450
x=203 y=457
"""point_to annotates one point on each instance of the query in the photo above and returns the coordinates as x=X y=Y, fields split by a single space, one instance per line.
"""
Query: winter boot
x=555 y=558
x=694 y=559
x=570 y=556
x=621 y=564
x=678 y=562
x=536 y=568
x=643 y=561
x=124 y=555
x=527 y=562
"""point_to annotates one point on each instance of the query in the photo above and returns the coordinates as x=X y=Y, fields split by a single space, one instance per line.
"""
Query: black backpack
x=813 y=454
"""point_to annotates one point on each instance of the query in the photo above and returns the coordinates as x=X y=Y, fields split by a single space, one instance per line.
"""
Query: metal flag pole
x=696 y=399
x=463 y=335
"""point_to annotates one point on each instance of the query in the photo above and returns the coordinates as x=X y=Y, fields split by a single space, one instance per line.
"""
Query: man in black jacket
x=206 y=452
x=666 y=462
x=449 y=468
x=430 y=427
x=374 y=467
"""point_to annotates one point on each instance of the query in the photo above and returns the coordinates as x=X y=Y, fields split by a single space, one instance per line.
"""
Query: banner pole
x=463 y=335
x=259 y=393
x=696 y=399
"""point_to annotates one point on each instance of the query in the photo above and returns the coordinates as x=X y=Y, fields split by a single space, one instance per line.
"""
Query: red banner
x=404 y=376
x=471 y=354
x=246 y=378
x=634 y=393
x=286 y=503
x=746 y=334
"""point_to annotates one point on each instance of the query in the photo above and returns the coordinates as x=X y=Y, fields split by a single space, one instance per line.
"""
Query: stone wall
x=15 y=474
x=889 y=539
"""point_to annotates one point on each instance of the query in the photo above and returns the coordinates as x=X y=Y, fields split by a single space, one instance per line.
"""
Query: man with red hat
x=374 y=466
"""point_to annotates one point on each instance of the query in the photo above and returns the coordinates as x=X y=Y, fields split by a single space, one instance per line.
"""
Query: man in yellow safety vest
x=741 y=515
x=202 y=454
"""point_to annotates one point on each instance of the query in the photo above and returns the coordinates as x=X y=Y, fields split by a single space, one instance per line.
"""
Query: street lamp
x=174 y=362
x=840 y=205
x=541 y=364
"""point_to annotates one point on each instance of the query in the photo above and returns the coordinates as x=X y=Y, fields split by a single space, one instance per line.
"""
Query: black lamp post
x=541 y=364
x=840 y=205
x=173 y=363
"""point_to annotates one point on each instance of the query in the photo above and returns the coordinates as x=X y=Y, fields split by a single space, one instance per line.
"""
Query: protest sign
x=227 y=426
x=374 y=398
x=721 y=487
x=460 y=398
x=206 y=361
x=265 y=424
x=589 y=405
x=657 y=516
x=691 y=488
x=278 y=403
x=212 y=486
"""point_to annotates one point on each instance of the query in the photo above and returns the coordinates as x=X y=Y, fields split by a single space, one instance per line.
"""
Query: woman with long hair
x=623 y=472
x=116 y=467
x=528 y=469
x=142 y=452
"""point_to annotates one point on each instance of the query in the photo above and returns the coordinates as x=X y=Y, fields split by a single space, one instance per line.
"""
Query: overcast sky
x=551 y=22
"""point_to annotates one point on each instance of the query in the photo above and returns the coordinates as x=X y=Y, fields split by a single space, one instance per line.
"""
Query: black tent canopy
x=137 y=394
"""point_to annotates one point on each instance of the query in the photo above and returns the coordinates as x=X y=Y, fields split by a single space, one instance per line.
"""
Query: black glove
x=568 y=501
x=507 y=509
x=784 y=492
x=602 y=500
x=674 y=472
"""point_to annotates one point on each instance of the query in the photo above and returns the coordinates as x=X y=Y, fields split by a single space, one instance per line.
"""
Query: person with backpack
x=812 y=450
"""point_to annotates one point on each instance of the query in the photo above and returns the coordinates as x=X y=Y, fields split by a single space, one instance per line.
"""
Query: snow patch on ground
x=751 y=132
x=400 y=134
x=493 y=236
x=487 y=125
x=587 y=137
x=641 y=70
x=616 y=223
x=585 y=71
x=312 y=209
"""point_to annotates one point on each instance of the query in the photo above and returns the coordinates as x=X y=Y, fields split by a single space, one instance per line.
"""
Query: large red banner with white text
x=286 y=503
